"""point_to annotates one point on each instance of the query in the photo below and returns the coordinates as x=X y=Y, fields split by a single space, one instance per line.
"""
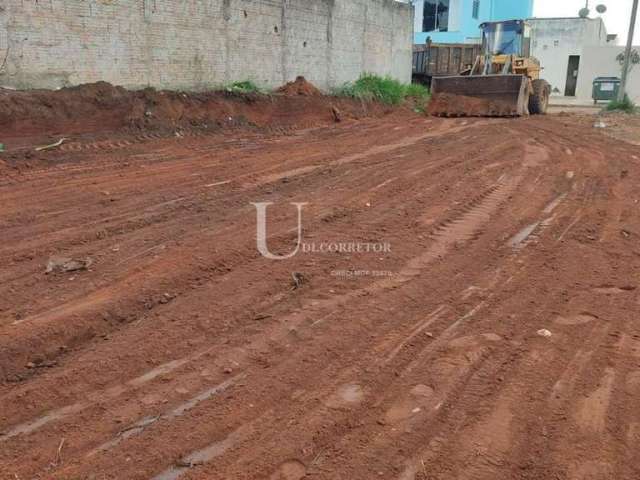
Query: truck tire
x=539 y=100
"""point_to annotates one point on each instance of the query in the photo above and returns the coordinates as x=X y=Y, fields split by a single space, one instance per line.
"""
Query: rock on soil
x=64 y=264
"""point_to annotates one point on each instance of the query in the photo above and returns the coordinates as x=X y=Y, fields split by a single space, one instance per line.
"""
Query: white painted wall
x=555 y=39
x=601 y=62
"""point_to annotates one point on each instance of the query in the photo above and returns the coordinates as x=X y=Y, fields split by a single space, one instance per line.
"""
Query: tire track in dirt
x=135 y=209
x=457 y=230
x=476 y=214
x=499 y=415
x=96 y=298
x=462 y=231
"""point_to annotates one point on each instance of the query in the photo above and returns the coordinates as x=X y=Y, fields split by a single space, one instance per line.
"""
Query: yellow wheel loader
x=503 y=82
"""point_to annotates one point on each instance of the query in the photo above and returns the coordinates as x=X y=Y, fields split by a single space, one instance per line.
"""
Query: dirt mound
x=300 y=86
x=35 y=117
x=92 y=105
x=448 y=105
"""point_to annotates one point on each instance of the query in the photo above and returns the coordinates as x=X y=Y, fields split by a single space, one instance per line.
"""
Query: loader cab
x=512 y=37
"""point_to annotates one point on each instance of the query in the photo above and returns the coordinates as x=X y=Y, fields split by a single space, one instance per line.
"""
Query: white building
x=602 y=62
x=574 y=51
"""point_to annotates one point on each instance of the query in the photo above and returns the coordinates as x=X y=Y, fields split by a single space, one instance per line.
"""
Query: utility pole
x=627 y=53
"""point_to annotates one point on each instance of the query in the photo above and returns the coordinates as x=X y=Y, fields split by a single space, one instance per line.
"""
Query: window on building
x=436 y=16
x=476 y=9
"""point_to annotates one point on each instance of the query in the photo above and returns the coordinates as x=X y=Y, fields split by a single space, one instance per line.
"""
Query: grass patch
x=245 y=86
x=417 y=91
x=383 y=89
x=625 y=105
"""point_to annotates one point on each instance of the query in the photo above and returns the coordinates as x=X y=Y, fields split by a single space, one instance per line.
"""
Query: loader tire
x=539 y=100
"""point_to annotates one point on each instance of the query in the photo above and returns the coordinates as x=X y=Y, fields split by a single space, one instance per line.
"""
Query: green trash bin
x=605 y=89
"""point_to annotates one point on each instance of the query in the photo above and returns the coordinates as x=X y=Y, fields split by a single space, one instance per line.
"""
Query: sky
x=617 y=18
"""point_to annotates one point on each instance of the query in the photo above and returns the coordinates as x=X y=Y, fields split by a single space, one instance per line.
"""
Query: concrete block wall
x=199 y=44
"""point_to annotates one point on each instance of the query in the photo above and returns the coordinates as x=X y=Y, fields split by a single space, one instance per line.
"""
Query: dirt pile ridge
x=45 y=115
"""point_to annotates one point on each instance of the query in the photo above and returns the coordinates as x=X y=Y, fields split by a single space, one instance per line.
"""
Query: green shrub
x=417 y=91
x=383 y=89
x=246 y=86
x=625 y=105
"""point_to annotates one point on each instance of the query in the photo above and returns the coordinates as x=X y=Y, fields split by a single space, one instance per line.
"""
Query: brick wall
x=196 y=44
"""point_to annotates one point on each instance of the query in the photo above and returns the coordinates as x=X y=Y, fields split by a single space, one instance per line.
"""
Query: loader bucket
x=480 y=96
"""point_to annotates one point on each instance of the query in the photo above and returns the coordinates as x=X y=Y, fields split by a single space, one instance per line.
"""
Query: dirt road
x=182 y=352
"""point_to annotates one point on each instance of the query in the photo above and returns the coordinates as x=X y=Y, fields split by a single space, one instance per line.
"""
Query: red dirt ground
x=622 y=126
x=183 y=353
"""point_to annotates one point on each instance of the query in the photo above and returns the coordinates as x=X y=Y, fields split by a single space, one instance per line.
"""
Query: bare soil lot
x=497 y=339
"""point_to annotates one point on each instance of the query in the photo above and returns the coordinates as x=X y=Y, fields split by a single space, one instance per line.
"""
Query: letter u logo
x=261 y=231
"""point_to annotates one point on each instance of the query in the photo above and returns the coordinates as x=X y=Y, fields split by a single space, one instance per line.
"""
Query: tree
x=634 y=59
